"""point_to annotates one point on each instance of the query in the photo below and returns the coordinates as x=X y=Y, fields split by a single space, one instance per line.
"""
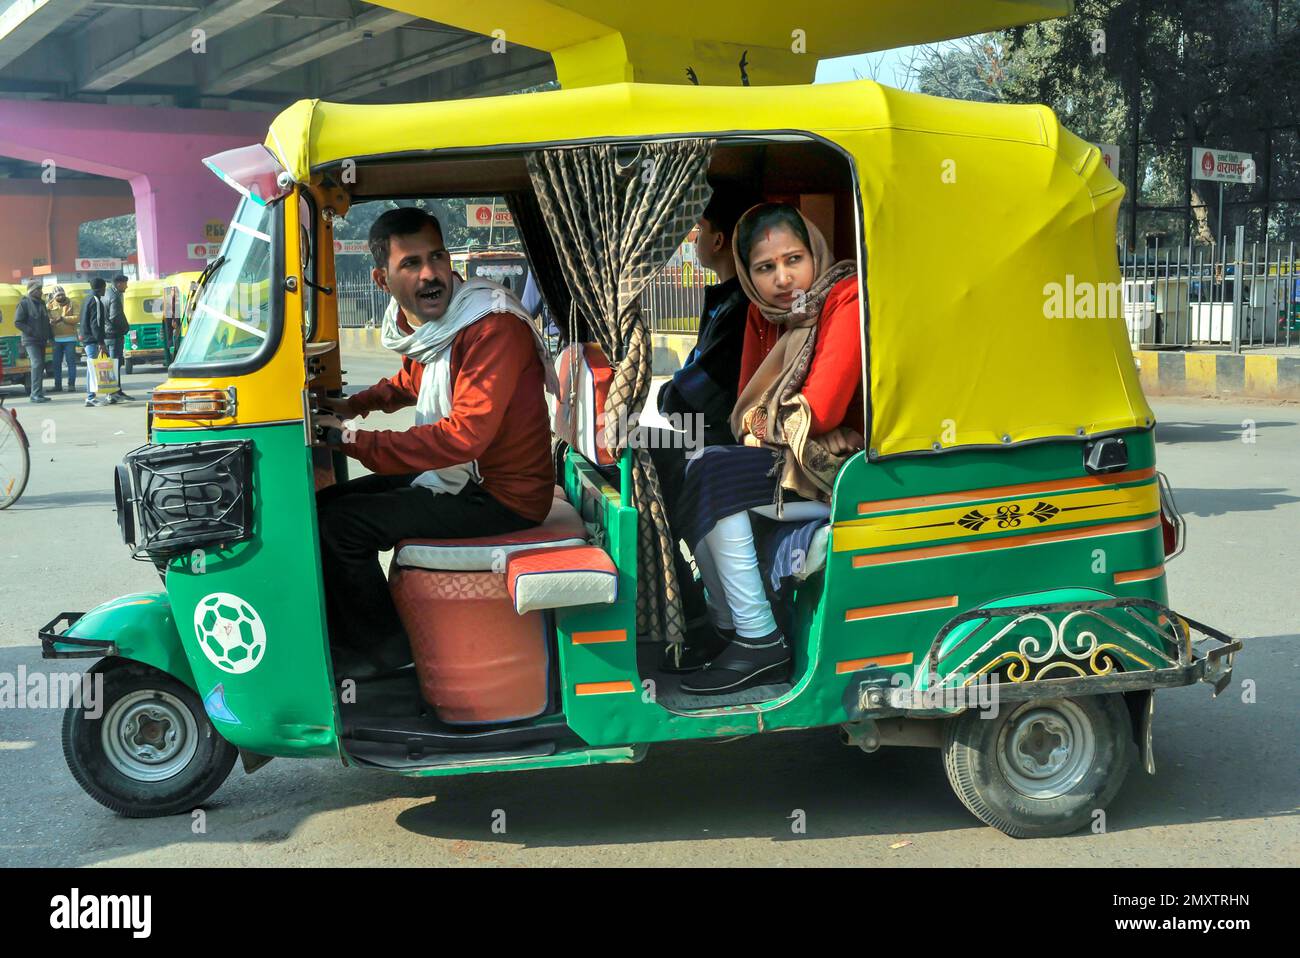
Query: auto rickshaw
x=146 y=339
x=13 y=357
x=178 y=291
x=1005 y=531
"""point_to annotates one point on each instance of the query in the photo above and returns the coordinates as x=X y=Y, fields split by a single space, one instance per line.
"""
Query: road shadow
x=1217 y=761
x=1207 y=503
x=61 y=500
x=1175 y=433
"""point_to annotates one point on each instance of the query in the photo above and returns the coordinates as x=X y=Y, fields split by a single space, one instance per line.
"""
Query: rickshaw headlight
x=190 y=495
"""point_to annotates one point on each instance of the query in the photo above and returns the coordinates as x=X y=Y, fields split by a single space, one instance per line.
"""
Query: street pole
x=1218 y=233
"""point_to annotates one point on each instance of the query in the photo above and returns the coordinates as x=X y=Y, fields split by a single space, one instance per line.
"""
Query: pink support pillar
x=158 y=150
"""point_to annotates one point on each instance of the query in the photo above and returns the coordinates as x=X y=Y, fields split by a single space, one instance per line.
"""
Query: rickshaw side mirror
x=1106 y=455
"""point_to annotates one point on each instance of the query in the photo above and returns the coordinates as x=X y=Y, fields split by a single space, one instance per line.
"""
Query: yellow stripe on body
x=981 y=520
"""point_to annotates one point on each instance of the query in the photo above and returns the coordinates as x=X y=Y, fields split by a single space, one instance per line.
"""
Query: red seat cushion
x=556 y=578
x=562 y=527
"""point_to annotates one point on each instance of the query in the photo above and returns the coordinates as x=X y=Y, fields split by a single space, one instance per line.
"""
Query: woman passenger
x=799 y=415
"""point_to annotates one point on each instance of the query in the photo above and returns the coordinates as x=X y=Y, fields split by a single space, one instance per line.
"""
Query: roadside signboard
x=1109 y=156
x=485 y=215
x=351 y=247
x=202 y=250
x=89 y=264
x=1222 y=166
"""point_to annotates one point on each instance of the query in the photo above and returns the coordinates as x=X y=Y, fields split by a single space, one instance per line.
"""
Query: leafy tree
x=113 y=237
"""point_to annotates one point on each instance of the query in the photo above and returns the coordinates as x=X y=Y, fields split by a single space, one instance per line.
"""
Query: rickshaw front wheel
x=150 y=750
x=1040 y=768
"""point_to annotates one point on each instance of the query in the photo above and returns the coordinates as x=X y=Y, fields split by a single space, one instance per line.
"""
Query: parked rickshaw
x=178 y=291
x=146 y=341
x=12 y=355
x=1006 y=520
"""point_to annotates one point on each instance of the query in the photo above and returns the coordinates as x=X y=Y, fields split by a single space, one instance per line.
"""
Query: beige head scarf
x=772 y=406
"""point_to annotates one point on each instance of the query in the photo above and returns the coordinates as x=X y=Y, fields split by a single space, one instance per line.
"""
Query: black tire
x=16 y=465
x=977 y=757
x=105 y=779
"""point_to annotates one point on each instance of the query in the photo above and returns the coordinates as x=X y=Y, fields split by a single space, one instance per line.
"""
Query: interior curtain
x=542 y=258
x=614 y=224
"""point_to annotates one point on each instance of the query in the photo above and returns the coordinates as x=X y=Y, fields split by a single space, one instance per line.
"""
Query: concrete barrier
x=1190 y=373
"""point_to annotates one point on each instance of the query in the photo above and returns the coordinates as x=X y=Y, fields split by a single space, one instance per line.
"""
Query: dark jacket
x=115 y=324
x=33 y=320
x=706 y=383
x=91 y=329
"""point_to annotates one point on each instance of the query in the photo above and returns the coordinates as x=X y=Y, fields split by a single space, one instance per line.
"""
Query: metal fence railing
x=360 y=302
x=673 y=299
x=1229 y=296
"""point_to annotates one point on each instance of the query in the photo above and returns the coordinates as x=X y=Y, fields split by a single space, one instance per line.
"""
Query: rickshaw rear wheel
x=152 y=750
x=1040 y=768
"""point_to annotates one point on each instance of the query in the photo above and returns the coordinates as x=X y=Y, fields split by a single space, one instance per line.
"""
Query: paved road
x=1225 y=793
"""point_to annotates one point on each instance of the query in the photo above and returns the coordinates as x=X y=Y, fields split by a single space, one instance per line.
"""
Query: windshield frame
x=275 y=331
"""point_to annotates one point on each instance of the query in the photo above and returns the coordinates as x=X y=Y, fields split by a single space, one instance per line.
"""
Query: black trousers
x=362 y=517
x=670 y=464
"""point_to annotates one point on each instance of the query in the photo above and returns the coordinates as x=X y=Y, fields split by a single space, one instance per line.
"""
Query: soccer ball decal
x=230 y=632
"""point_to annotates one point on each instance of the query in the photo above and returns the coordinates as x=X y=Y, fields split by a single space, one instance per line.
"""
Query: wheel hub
x=149 y=736
x=1046 y=749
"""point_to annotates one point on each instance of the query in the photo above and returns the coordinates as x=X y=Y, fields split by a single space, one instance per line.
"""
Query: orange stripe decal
x=603 y=688
x=1140 y=575
x=1009 y=542
x=594 y=638
x=853 y=665
x=900 y=608
x=998 y=492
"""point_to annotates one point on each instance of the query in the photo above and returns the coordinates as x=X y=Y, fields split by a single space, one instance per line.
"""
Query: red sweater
x=834 y=385
x=498 y=417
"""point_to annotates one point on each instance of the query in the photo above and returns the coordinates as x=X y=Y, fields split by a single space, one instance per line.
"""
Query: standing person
x=33 y=321
x=63 y=323
x=91 y=330
x=116 y=328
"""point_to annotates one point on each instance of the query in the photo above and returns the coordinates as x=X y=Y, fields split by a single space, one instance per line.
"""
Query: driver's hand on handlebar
x=843 y=441
x=330 y=430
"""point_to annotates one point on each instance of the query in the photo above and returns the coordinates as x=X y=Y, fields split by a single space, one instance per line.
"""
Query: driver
x=478 y=460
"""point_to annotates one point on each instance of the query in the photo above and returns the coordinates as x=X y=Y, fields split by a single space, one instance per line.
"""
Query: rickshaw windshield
x=231 y=318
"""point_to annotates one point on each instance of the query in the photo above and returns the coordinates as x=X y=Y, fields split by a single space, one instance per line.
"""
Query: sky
x=887 y=66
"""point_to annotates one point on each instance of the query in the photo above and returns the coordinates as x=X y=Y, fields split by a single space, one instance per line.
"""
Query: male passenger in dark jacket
x=701 y=394
x=116 y=327
x=91 y=332
x=33 y=321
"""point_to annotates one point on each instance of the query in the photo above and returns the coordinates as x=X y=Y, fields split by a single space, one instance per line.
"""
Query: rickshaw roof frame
x=1044 y=190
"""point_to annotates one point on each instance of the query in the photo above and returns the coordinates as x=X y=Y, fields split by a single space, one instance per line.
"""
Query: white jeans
x=728 y=565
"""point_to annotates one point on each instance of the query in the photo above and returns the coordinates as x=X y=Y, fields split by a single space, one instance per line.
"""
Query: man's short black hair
x=727 y=205
x=121 y=278
x=403 y=221
x=98 y=285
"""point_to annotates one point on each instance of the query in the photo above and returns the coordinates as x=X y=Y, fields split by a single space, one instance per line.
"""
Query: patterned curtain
x=614 y=225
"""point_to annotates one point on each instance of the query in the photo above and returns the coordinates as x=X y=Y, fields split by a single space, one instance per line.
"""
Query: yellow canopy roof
x=989 y=233
x=611 y=41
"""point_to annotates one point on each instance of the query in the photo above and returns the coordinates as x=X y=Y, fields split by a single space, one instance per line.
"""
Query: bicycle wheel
x=14 y=461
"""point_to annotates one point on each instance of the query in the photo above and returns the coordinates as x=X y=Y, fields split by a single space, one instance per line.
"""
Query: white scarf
x=430 y=345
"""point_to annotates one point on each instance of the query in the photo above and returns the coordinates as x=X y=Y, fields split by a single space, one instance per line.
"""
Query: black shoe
x=123 y=397
x=743 y=664
x=700 y=648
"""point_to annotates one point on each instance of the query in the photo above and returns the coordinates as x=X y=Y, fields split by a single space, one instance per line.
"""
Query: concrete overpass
x=141 y=90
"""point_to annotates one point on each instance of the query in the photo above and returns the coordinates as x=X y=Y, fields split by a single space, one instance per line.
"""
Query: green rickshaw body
x=975 y=492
